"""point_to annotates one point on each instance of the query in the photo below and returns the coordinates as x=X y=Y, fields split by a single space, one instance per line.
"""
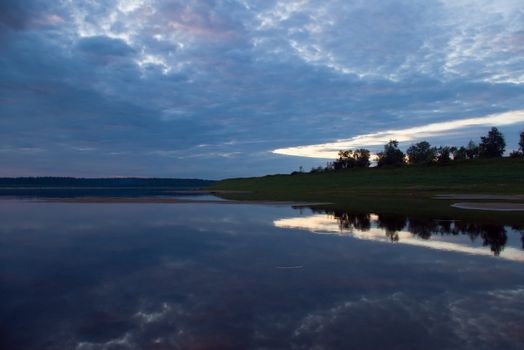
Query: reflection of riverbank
x=183 y=199
x=135 y=195
x=456 y=236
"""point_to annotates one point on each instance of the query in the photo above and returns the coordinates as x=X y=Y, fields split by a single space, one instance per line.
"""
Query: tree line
x=492 y=145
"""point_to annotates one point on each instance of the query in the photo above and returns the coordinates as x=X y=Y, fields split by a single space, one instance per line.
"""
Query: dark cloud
x=102 y=46
x=15 y=13
x=158 y=79
x=20 y=15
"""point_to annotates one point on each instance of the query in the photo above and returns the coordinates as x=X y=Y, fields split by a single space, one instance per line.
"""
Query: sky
x=217 y=89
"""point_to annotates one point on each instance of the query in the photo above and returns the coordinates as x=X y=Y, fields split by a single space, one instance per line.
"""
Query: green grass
x=393 y=190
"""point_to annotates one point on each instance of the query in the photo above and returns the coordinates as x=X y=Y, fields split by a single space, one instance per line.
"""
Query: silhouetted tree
x=459 y=153
x=443 y=155
x=330 y=166
x=521 y=142
x=361 y=156
x=317 y=169
x=345 y=160
x=421 y=153
x=348 y=159
x=492 y=145
x=392 y=155
x=472 y=150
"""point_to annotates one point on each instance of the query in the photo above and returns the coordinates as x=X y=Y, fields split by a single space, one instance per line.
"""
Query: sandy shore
x=492 y=206
x=481 y=196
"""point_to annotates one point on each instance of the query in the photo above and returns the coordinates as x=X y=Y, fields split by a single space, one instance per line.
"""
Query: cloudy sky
x=224 y=88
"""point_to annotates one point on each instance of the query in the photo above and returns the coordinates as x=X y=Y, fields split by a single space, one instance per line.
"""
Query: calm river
x=93 y=276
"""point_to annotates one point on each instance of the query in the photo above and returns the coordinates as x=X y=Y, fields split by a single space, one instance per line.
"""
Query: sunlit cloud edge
x=330 y=150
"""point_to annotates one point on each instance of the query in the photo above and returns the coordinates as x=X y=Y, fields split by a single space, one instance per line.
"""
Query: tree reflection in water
x=492 y=235
x=521 y=229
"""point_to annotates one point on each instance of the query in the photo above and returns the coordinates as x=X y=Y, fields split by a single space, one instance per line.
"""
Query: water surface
x=211 y=276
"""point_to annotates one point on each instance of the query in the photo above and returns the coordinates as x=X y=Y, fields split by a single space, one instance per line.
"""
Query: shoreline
x=480 y=196
x=490 y=206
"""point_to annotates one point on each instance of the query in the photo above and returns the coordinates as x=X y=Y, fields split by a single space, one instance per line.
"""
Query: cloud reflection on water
x=159 y=276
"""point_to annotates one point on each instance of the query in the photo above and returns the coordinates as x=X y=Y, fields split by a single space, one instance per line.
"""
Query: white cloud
x=155 y=60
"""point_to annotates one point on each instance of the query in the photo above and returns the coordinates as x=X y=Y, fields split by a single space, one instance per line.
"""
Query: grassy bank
x=394 y=190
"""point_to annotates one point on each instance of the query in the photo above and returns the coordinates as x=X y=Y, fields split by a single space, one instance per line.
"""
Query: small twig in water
x=290 y=267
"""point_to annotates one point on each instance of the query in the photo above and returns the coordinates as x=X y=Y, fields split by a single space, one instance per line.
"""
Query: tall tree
x=345 y=160
x=361 y=156
x=520 y=151
x=443 y=155
x=391 y=155
x=492 y=145
x=459 y=153
x=348 y=159
x=421 y=153
x=472 y=150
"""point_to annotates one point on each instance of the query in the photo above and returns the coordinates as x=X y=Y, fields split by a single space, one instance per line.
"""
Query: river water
x=215 y=276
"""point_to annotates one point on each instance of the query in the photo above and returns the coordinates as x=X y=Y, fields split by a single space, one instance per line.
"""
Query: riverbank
x=394 y=190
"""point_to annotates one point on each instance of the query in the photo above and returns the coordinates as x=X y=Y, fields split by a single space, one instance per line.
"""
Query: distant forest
x=102 y=182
